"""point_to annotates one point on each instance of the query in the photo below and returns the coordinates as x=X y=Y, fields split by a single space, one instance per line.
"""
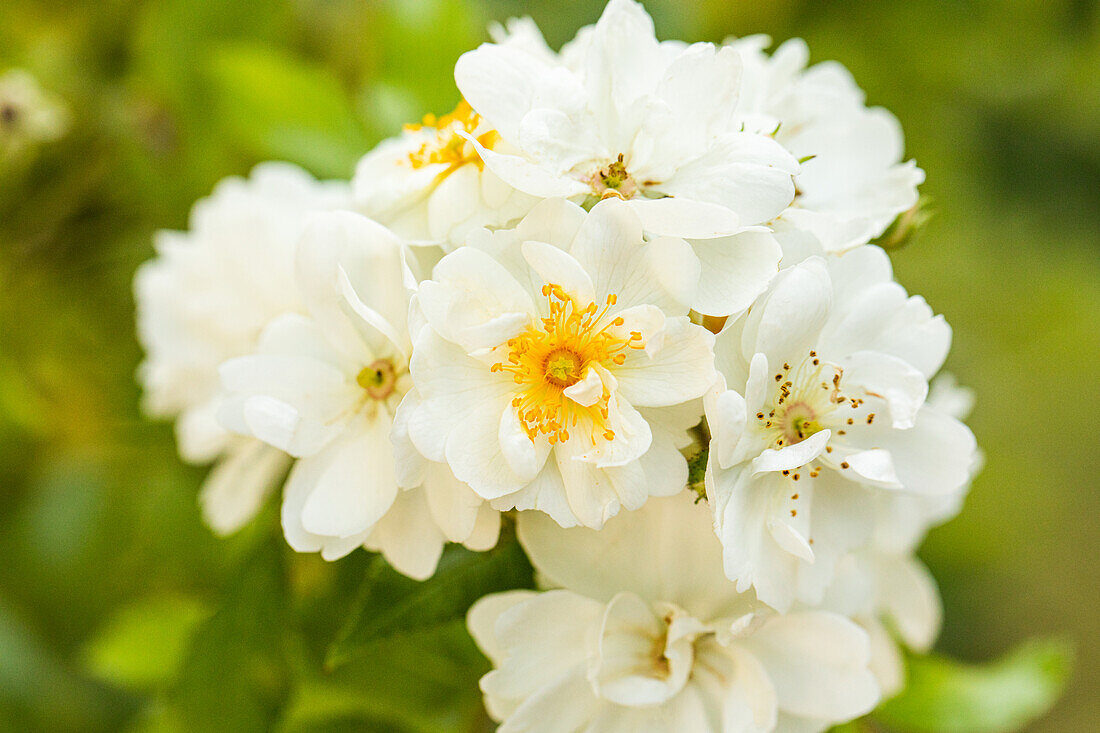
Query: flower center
x=379 y=379
x=554 y=354
x=804 y=400
x=798 y=422
x=449 y=147
x=614 y=180
x=563 y=367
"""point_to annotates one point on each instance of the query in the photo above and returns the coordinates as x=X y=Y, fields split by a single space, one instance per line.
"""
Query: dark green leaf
x=234 y=675
x=946 y=696
x=421 y=682
x=391 y=604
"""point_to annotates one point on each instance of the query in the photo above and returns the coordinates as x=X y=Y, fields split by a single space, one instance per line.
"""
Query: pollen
x=554 y=353
x=449 y=147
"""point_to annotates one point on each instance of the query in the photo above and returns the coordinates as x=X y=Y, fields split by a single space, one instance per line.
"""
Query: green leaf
x=280 y=107
x=235 y=675
x=422 y=682
x=392 y=605
x=143 y=644
x=946 y=696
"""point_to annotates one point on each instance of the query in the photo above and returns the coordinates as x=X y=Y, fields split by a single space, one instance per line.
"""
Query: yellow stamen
x=555 y=353
x=449 y=147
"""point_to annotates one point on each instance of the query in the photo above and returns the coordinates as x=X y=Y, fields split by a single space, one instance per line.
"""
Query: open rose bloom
x=622 y=303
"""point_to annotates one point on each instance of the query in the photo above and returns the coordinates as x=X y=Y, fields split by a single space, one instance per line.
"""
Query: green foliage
x=277 y=107
x=391 y=605
x=424 y=681
x=142 y=645
x=946 y=696
x=234 y=676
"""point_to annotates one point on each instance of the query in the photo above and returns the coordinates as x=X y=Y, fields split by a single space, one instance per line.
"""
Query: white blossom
x=325 y=386
x=852 y=182
x=629 y=117
x=643 y=633
x=204 y=299
x=827 y=378
x=557 y=371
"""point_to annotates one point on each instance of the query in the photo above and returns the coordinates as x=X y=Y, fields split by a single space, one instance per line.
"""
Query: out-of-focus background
x=100 y=537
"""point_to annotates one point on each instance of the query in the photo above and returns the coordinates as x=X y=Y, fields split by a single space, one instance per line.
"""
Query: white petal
x=685 y=217
x=453 y=505
x=664 y=551
x=912 y=601
x=558 y=267
x=451 y=385
x=543 y=637
x=371 y=256
x=682 y=369
x=524 y=455
x=625 y=669
x=473 y=301
x=239 y=484
x=791 y=456
x=934 y=457
x=788 y=321
x=407 y=537
x=818 y=663
x=726 y=417
x=356 y=485
x=734 y=271
x=902 y=386
x=749 y=175
x=482 y=617
x=526 y=176
x=500 y=83
x=676 y=267
x=610 y=247
x=587 y=391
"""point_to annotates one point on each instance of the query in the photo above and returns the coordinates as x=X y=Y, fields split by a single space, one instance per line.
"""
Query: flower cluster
x=608 y=263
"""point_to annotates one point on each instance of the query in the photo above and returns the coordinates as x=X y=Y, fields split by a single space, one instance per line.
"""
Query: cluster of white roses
x=604 y=262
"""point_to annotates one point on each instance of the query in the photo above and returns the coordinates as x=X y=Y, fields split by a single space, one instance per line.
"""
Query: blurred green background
x=105 y=569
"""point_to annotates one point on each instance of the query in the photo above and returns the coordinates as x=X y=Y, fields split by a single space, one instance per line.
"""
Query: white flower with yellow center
x=644 y=633
x=325 y=388
x=205 y=298
x=558 y=372
x=827 y=377
x=430 y=185
x=631 y=118
x=852 y=183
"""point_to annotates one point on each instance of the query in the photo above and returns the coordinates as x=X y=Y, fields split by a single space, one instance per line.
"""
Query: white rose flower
x=325 y=387
x=852 y=183
x=557 y=372
x=623 y=115
x=827 y=378
x=429 y=185
x=646 y=634
x=205 y=298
